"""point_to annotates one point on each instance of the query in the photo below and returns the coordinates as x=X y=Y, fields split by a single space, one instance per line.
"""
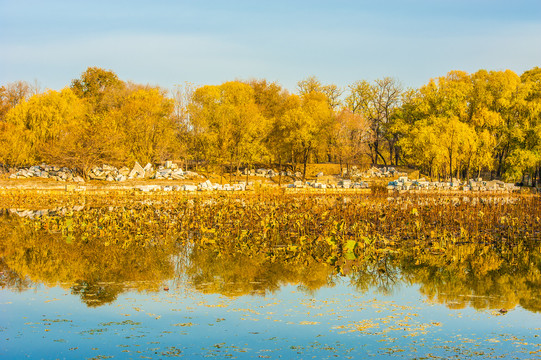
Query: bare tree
x=375 y=102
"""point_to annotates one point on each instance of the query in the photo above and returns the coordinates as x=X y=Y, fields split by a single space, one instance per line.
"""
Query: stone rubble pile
x=403 y=183
x=267 y=173
x=109 y=173
x=373 y=172
x=171 y=171
x=342 y=184
x=47 y=172
x=106 y=173
x=204 y=186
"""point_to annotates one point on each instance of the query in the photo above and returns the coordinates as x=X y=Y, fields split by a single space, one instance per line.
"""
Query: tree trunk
x=230 y=171
x=305 y=161
x=373 y=154
x=280 y=171
x=451 y=165
x=382 y=158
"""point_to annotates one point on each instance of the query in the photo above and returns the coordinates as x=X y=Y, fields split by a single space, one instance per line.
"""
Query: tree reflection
x=97 y=270
x=478 y=275
x=234 y=274
x=124 y=250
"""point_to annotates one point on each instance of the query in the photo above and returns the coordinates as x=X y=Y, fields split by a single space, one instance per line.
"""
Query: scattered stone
x=45 y=171
x=403 y=183
x=137 y=171
x=148 y=188
x=124 y=171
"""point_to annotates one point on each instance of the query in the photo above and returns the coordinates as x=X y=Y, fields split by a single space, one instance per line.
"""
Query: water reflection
x=101 y=253
x=97 y=271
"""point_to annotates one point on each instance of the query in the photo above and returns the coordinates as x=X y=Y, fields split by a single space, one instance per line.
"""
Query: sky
x=168 y=43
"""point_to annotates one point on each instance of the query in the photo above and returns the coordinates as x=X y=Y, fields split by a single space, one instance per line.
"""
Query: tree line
x=457 y=125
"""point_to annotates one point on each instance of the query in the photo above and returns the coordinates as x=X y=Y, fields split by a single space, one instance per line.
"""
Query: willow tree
x=35 y=129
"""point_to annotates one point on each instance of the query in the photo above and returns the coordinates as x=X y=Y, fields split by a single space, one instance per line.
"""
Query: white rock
x=239 y=187
x=137 y=171
x=124 y=171
x=147 y=188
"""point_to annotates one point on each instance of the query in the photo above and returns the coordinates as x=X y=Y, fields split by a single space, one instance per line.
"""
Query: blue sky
x=208 y=42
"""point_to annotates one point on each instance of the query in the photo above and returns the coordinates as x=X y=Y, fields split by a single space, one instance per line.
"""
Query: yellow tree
x=101 y=88
x=146 y=128
x=421 y=147
x=525 y=154
x=39 y=124
x=304 y=126
x=227 y=123
x=182 y=95
x=208 y=128
x=12 y=94
x=457 y=141
x=350 y=135
x=274 y=102
x=248 y=127
x=331 y=91
x=457 y=108
x=495 y=106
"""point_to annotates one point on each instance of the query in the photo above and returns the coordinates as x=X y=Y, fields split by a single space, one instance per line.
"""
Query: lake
x=271 y=276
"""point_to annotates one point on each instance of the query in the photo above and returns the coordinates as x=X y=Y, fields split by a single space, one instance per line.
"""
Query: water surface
x=78 y=283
